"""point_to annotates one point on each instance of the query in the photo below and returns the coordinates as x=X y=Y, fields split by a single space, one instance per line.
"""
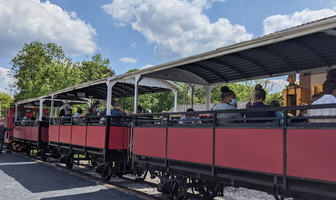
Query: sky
x=142 y=33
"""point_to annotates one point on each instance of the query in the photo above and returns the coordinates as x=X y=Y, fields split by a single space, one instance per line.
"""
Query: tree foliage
x=95 y=69
x=132 y=70
x=44 y=68
x=29 y=62
x=6 y=101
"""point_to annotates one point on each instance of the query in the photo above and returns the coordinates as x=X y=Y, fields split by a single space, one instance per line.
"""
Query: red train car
x=286 y=159
x=27 y=134
x=105 y=143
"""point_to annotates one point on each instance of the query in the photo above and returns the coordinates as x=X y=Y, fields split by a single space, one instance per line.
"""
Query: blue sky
x=140 y=33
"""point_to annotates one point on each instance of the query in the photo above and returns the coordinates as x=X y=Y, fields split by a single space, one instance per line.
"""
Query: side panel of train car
x=258 y=150
x=311 y=154
x=90 y=136
x=103 y=145
x=9 y=122
x=275 y=160
x=32 y=136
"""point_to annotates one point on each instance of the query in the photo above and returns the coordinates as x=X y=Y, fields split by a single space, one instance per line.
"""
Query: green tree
x=43 y=68
x=6 y=101
x=28 y=63
x=95 y=69
x=132 y=70
x=53 y=77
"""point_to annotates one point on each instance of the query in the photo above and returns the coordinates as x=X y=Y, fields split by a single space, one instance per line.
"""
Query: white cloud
x=128 y=60
x=279 y=22
x=177 y=28
x=278 y=85
x=146 y=66
x=24 y=21
x=5 y=80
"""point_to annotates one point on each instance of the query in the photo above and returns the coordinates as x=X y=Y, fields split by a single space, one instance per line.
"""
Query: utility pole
x=0 y=108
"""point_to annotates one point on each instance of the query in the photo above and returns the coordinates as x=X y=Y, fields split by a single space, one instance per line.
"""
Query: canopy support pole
x=41 y=109
x=16 y=113
x=208 y=90
x=175 y=99
x=52 y=106
x=110 y=85
x=137 y=79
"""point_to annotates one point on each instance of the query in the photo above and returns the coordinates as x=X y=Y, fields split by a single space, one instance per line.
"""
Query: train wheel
x=44 y=156
x=69 y=162
x=209 y=191
x=107 y=172
x=179 y=189
x=94 y=163
x=28 y=150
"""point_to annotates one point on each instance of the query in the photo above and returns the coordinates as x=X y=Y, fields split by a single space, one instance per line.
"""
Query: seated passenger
x=91 y=111
x=67 y=116
x=117 y=115
x=188 y=118
x=228 y=103
x=91 y=116
x=329 y=97
x=259 y=96
x=78 y=112
x=25 y=120
x=62 y=113
x=278 y=114
x=140 y=109
x=118 y=112
x=102 y=113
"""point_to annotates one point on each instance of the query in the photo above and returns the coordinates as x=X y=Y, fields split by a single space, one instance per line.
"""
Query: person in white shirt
x=228 y=103
x=329 y=97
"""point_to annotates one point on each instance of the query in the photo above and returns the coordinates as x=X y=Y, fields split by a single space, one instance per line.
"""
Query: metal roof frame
x=306 y=48
x=97 y=90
